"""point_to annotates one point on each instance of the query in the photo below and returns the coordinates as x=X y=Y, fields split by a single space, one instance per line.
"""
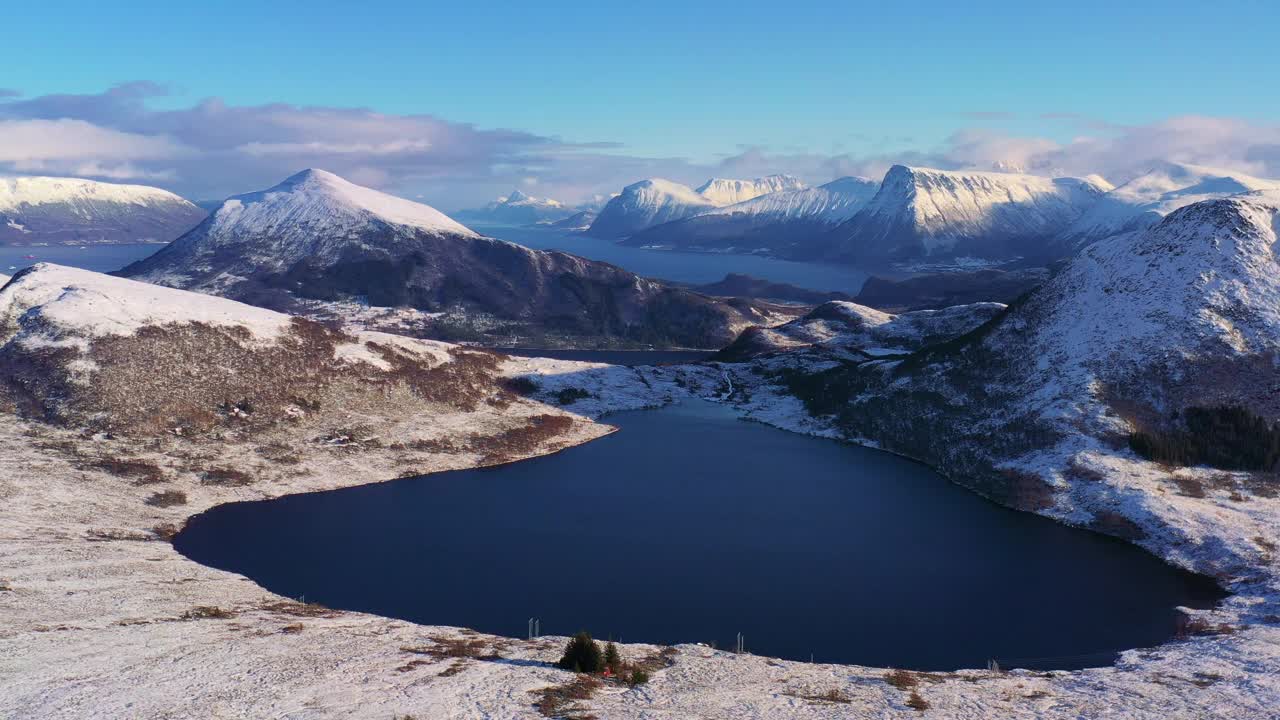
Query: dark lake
x=691 y=526
x=684 y=267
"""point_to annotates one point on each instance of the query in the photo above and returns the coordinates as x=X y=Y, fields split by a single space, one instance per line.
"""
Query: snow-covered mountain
x=921 y=213
x=655 y=201
x=580 y=220
x=724 y=191
x=1145 y=200
x=519 y=209
x=343 y=248
x=645 y=204
x=786 y=222
x=71 y=210
x=852 y=331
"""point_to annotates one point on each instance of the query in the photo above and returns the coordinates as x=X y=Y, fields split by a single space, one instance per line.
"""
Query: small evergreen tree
x=612 y=659
x=582 y=655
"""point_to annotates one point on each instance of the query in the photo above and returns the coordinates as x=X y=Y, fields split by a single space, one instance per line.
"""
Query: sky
x=460 y=102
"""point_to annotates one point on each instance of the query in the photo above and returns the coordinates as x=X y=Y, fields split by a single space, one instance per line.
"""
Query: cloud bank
x=213 y=149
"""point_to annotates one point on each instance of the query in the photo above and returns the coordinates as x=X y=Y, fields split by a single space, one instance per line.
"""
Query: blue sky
x=689 y=80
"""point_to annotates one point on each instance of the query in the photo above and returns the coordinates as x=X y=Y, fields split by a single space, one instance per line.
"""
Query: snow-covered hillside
x=71 y=210
x=1038 y=409
x=519 y=209
x=787 y=222
x=319 y=245
x=853 y=331
x=1143 y=201
x=724 y=191
x=313 y=216
x=924 y=213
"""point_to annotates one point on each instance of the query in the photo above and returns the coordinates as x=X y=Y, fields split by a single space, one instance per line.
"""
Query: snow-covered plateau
x=36 y=210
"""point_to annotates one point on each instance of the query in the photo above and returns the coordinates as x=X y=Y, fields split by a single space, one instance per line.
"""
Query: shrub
x=206 y=612
x=522 y=386
x=612 y=659
x=901 y=679
x=582 y=655
x=568 y=396
x=226 y=476
x=167 y=498
x=638 y=677
x=915 y=702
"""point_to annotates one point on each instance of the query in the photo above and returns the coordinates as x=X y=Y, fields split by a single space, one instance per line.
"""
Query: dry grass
x=225 y=476
x=834 y=695
x=562 y=701
x=1113 y=523
x=915 y=702
x=902 y=679
x=165 y=531
x=208 y=612
x=142 y=472
x=167 y=498
x=292 y=608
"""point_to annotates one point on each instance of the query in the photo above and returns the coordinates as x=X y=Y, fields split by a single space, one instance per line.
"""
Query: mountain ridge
x=38 y=209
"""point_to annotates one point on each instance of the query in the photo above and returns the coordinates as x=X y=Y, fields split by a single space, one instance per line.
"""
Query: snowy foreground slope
x=319 y=245
x=117 y=396
x=70 y=210
x=785 y=222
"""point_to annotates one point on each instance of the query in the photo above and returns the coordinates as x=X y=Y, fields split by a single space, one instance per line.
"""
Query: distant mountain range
x=782 y=223
x=317 y=244
x=915 y=217
x=519 y=209
x=44 y=210
x=656 y=201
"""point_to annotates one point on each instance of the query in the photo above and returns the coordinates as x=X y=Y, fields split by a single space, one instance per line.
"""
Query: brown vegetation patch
x=104 y=535
x=522 y=441
x=300 y=609
x=165 y=531
x=1189 y=486
x=229 y=477
x=167 y=498
x=1028 y=491
x=208 y=612
x=915 y=702
x=902 y=679
x=561 y=701
x=196 y=378
x=834 y=695
x=1189 y=626
x=142 y=472
x=1110 y=522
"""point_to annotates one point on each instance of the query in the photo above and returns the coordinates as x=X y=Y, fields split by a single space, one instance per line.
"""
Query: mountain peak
x=517 y=196
x=320 y=197
x=726 y=191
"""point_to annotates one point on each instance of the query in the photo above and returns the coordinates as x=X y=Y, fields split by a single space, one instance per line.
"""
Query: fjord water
x=98 y=258
x=683 y=267
x=691 y=526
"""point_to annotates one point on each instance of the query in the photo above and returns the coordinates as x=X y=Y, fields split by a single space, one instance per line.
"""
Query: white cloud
x=212 y=149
